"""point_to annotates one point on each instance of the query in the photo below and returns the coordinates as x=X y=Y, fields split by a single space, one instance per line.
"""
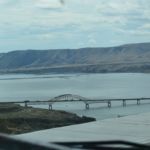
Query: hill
x=124 y=58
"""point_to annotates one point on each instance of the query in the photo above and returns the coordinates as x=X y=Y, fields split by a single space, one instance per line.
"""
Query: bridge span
x=77 y=98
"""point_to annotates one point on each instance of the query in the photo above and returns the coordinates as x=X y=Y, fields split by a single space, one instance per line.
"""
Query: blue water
x=114 y=85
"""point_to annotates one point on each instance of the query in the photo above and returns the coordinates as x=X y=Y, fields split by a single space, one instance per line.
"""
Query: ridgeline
x=124 y=58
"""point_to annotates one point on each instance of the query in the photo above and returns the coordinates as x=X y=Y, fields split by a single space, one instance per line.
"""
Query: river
x=113 y=85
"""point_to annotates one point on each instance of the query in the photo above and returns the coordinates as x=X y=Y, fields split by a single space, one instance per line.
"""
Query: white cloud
x=109 y=12
x=118 y=6
x=77 y=18
x=48 y=4
x=2 y=2
x=92 y=42
x=145 y=27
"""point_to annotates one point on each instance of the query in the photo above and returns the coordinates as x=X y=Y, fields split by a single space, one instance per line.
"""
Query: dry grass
x=15 y=119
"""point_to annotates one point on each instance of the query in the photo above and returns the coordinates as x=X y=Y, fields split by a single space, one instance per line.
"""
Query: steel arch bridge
x=76 y=98
x=68 y=97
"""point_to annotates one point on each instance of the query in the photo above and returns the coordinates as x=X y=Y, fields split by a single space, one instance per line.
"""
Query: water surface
x=114 y=85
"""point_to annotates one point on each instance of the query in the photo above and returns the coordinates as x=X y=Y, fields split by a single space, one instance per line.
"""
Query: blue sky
x=55 y=24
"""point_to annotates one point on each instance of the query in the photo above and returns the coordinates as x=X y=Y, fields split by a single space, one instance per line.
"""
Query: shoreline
x=16 y=119
x=133 y=128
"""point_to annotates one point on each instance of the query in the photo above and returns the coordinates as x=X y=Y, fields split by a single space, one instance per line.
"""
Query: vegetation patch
x=16 y=119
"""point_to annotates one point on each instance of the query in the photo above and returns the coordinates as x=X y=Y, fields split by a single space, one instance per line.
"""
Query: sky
x=60 y=24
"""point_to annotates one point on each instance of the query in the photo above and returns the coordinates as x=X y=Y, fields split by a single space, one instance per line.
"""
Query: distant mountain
x=125 y=58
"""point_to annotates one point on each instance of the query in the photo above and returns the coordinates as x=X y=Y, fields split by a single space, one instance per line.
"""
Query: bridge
x=77 y=98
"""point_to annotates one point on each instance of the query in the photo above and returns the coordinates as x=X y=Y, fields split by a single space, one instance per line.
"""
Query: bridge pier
x=138 y=101
x=50 y=107
x=87 y=106
x=26 y=104
x=109 y=104
x=124 y=102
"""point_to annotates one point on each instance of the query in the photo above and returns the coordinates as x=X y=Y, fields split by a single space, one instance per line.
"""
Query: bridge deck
x=86 y=101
